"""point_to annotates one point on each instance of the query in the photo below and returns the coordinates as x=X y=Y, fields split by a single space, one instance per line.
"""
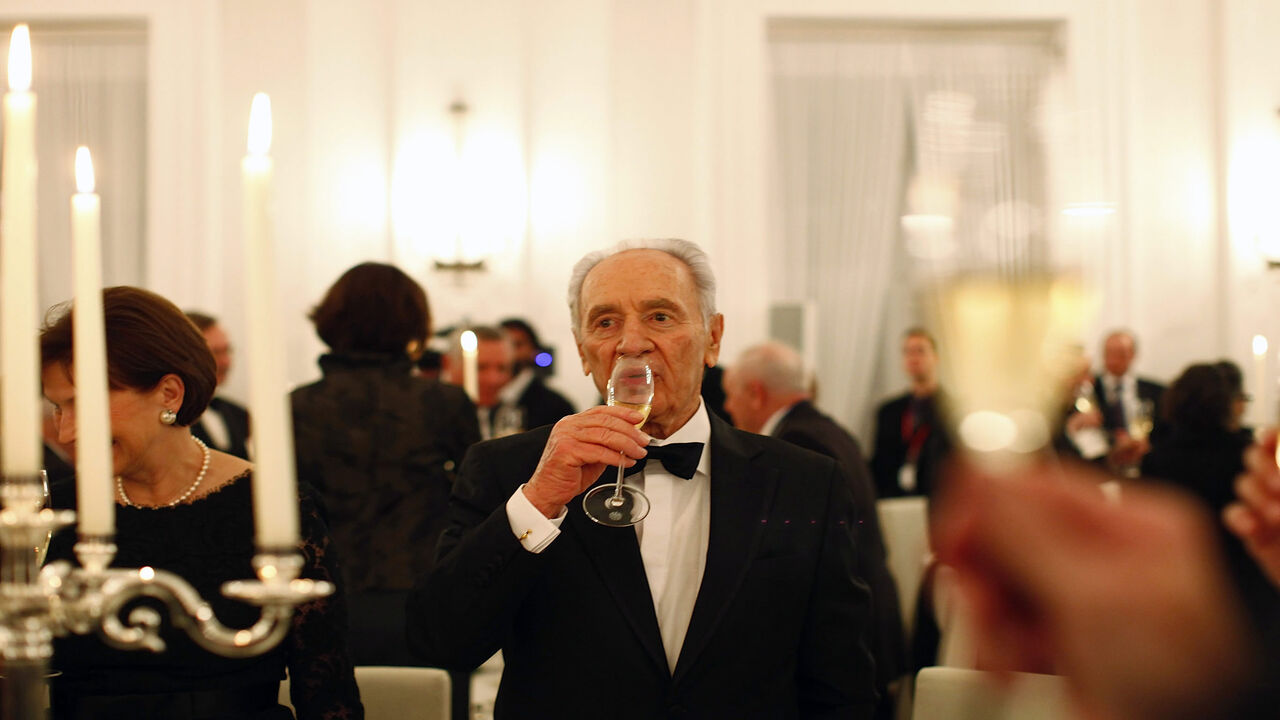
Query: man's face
x=645 y=302
x=741 y=402
x=493 y=370
x=1117 y=354
x=918 y=358
x=220 y=346
x=523 y=347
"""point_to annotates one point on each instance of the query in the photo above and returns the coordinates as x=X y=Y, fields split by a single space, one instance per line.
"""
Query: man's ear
x=716 y=332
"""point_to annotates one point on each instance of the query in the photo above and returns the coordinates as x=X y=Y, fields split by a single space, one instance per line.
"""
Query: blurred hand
x=1078 y=421
x=580 y=448
x=1128 y=601
x=1255 y=516
x=1126 y=451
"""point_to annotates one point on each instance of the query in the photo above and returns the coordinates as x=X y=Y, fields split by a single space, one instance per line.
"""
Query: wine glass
x=41 y=548
x=618 y=504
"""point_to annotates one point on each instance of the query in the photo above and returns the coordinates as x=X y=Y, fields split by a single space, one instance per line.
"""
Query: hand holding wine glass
x=622 y=505
x=580 y=448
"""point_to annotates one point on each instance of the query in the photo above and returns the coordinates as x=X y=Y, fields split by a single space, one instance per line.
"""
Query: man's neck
x=663 y=430
x=924 y=388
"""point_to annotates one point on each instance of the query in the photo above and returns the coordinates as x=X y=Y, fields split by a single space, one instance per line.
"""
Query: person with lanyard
x=910 y=440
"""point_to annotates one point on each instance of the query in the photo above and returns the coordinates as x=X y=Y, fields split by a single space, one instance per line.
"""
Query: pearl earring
x=168 y=417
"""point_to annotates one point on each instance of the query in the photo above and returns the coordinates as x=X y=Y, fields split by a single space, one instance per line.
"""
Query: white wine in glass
x=619 y=504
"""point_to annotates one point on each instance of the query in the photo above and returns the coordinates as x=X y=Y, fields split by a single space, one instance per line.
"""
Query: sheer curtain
x=90 y=79
x=871 y=123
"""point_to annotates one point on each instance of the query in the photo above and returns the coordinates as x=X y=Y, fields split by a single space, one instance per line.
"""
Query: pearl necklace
x=204 y=468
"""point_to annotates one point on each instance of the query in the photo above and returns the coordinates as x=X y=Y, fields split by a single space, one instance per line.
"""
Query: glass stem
x=617 y=488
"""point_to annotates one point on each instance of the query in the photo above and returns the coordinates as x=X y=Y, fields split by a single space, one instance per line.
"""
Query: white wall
x=613 y=119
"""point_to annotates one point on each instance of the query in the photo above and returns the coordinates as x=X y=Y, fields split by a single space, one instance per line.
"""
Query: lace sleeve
x=322 y=682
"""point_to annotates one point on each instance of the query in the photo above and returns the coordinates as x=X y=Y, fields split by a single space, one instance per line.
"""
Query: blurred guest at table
x=910 y=439
x=1131 y=410
x=186 y=508
x=381 y=446
x=766 y=392
x=1239 y=399
x=494 y=367
x=528 y=390
x=1201 y=452
x=1128 y=601
x=225 y=424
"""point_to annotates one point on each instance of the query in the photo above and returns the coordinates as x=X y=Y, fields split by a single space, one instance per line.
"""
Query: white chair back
x=905 y=526
x=398 y=693
x=955 y=694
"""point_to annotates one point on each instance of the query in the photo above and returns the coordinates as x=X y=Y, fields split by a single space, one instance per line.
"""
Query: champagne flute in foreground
x=621 y=505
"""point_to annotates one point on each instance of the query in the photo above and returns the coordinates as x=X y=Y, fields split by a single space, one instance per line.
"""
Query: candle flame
x=20 y=59
x=84 y=170
x=260 y=125
x=468 y=341
x=1259 y=345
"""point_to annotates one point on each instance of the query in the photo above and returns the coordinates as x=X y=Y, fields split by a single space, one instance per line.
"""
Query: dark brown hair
x=148 y=337
x=373 y=308
x=1199 y=400
x=202 y=321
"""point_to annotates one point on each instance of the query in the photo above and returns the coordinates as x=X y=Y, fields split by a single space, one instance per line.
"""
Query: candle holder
x=38 y=604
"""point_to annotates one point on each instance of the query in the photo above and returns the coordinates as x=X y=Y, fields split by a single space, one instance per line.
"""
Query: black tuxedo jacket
x=777 y=629
x=237 y=420
x=542 y=405
x=808 y=427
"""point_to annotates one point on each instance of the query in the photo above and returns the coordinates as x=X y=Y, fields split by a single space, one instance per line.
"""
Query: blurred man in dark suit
x=766 y=392
x=910 y=438
x=225 y=424
x=528 y=390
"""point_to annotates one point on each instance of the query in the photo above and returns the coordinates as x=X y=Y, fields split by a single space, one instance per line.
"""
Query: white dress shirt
x=673 y=538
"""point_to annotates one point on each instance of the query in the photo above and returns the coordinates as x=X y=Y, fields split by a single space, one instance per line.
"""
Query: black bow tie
x=679 y=459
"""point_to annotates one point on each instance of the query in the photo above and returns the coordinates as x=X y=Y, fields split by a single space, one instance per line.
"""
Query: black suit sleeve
x=889 y=452
x=835 y=669
x=460 y=614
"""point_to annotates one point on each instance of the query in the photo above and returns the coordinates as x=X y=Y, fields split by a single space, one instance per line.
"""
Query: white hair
x=775 y=365
x=686 y=252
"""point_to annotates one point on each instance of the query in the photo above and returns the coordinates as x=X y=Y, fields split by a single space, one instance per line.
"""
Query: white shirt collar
x=695 y=429
x=511 y=392
x=772 y=423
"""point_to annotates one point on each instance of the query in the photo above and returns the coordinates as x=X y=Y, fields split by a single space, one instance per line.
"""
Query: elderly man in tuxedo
x=767 y=392
x=737 y=596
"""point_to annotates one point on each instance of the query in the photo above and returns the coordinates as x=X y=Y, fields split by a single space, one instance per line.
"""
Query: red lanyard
x=913 y=435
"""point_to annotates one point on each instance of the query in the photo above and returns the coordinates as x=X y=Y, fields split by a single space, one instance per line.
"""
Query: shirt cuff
x=534 y=530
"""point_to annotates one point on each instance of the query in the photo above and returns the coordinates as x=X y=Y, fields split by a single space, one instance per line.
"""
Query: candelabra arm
x=277 y=592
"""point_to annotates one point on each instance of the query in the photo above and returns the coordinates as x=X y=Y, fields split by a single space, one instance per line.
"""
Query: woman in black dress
x=380 y=445
x=184 y=508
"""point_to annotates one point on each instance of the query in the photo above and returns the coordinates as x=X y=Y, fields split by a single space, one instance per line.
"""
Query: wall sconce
x=458 y=110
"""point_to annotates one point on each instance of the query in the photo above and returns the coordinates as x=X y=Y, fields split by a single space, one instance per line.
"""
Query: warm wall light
x=458 y=264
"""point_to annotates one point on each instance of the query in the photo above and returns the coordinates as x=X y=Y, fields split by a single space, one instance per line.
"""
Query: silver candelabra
x=38 y=604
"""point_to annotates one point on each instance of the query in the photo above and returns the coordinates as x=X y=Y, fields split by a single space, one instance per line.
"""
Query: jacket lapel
x=740 y=499
x=615 y=552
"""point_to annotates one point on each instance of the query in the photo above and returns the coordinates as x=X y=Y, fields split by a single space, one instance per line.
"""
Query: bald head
x=766 y=378
x=1118 y=350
